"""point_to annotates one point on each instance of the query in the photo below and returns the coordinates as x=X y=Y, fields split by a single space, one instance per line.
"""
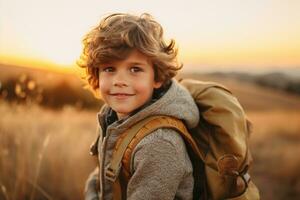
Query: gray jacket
x=160 y=165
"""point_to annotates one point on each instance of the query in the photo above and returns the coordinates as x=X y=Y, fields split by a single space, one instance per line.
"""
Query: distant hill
x=39 y=74
x=276 y=80
x=48 y=88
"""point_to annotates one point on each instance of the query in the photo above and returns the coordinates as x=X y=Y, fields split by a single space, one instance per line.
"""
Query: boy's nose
x=120 y=84
x=120 y=80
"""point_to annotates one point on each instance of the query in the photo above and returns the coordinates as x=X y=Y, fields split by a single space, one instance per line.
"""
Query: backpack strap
x=130 y=138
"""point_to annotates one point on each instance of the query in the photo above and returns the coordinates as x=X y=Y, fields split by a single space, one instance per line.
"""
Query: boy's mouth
x=121 y=95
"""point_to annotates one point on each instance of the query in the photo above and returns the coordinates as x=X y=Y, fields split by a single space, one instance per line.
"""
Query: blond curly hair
x=117 y=35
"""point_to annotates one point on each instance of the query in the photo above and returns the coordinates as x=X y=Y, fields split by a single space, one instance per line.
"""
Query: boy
x=128 y=61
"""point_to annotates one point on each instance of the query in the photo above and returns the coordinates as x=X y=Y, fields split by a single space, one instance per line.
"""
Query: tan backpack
x=218 y=146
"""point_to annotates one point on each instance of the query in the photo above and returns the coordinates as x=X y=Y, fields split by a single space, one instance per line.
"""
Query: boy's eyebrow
x=128 y=63
x=137 y=63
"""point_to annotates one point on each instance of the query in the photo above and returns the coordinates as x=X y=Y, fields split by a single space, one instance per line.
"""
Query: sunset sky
x=210 y=34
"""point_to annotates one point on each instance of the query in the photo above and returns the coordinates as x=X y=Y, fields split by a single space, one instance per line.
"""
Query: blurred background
x=48 y=118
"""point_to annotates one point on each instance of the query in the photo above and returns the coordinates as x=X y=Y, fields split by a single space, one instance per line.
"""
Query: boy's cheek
x=103 y=94
x=104 y=84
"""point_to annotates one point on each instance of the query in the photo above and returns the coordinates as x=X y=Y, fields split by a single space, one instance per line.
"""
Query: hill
x=45 y=87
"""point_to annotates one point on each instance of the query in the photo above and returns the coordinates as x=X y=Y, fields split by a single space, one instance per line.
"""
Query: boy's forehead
x=134 y=57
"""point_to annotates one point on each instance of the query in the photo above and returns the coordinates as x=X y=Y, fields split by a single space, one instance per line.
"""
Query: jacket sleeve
x=91 y=185
x=158 y=168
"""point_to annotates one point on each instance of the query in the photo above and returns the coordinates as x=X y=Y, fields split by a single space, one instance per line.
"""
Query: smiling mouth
x=121 y=96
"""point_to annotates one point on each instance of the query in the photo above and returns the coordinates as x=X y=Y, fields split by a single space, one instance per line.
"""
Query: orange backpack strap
x=131 y=137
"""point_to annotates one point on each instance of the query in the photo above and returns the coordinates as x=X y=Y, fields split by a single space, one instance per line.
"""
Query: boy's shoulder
x=162 y=145
x=161 y=137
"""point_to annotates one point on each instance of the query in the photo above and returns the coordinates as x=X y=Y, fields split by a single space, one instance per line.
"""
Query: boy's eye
x=107 y=69
x=135 y=69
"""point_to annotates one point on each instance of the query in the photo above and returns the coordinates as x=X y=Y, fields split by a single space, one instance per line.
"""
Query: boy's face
x=128 y=84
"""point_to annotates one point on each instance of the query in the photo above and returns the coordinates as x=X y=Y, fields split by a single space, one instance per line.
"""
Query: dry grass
x=275 y=145
x=44 y=153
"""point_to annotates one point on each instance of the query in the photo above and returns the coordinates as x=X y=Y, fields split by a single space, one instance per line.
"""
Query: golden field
x=44 y=153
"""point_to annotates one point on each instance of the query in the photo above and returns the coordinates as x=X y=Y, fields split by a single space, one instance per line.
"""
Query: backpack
x=218 y=147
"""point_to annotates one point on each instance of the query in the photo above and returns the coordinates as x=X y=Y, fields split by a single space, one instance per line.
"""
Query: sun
x=64 y=60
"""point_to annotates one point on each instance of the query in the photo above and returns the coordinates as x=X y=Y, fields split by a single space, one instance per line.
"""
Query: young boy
x=129 y=62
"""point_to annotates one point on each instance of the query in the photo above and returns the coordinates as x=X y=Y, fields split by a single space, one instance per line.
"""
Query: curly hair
x=117 y=35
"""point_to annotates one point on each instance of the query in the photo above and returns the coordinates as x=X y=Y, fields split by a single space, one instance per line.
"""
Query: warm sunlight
x=217 y=34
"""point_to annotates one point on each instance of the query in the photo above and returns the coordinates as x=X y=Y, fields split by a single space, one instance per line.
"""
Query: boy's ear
x=157 y=84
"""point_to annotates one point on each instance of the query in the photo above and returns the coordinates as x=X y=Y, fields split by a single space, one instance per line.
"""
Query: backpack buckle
x=112 y=174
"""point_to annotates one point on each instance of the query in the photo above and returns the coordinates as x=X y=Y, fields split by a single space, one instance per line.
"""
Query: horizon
x=292 y=72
